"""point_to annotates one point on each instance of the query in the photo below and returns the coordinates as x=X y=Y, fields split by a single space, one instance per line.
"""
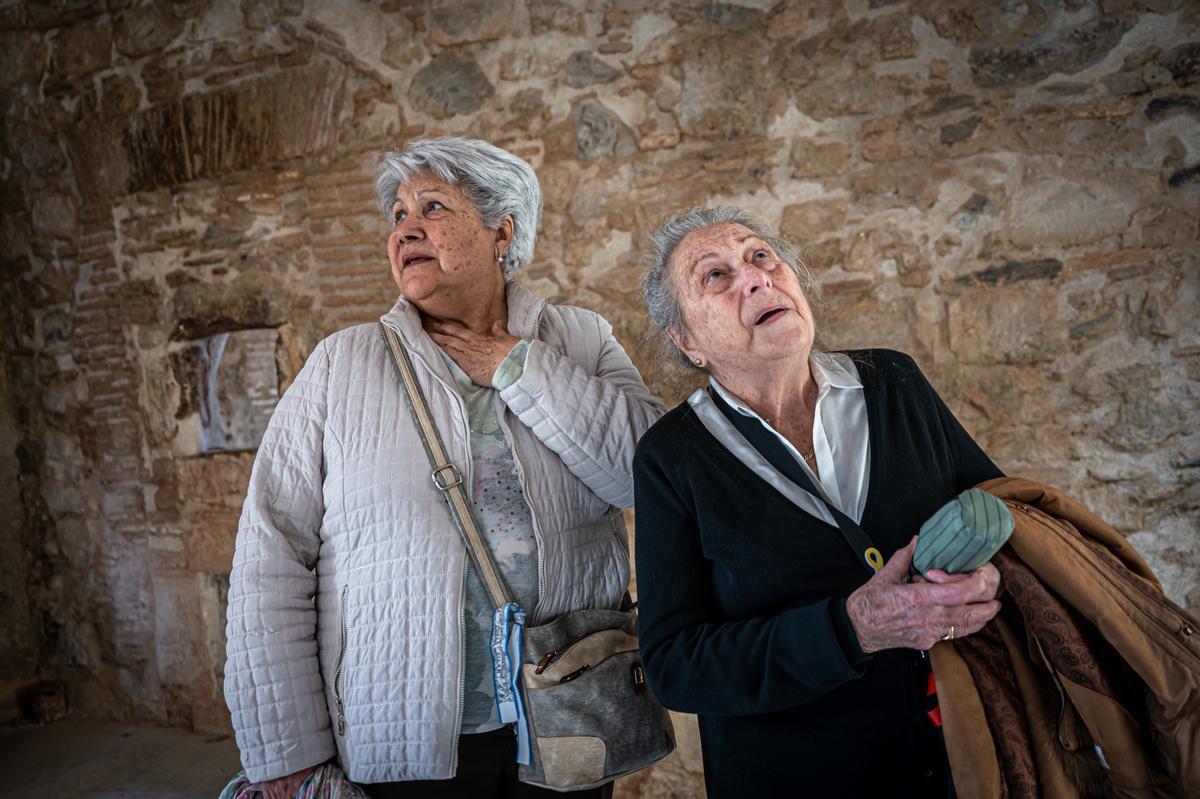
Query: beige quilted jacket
x=346 y=595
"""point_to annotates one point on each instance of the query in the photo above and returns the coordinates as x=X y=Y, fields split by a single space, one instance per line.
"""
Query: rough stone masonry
x=1008 y=191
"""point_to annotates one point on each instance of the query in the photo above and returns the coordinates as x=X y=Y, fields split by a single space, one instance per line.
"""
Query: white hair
x=496 y=182
x=658 y=289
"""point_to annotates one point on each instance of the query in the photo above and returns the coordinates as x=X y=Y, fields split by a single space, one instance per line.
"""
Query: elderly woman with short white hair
x=390 y=670
x=767 y=505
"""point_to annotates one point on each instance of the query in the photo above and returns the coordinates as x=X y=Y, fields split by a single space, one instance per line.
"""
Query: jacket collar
x=524 y=308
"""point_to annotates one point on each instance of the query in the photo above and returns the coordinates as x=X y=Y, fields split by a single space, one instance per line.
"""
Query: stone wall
x=1007 y=191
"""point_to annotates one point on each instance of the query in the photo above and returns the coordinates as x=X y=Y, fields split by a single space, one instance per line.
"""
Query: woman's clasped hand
x=891 y=612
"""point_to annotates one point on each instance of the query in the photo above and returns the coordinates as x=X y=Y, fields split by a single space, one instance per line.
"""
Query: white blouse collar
x=830 y=370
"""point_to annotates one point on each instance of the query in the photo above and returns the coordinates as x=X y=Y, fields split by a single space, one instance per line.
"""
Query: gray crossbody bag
x=574 y=688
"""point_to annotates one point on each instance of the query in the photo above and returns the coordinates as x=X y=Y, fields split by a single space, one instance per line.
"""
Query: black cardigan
x=741 y=599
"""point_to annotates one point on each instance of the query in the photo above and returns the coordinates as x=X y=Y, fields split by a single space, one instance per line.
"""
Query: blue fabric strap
x=507 y=624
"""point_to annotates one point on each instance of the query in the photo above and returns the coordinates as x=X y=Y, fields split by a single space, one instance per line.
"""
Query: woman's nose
x=755 y=279
x=409 y=229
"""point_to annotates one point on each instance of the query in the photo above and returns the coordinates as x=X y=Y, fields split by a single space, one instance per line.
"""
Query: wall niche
x=229 y=386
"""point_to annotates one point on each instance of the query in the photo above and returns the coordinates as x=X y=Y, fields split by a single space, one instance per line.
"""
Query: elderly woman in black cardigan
x=808 y=673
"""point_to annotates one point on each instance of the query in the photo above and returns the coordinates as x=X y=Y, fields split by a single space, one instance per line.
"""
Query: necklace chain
x=811 y=452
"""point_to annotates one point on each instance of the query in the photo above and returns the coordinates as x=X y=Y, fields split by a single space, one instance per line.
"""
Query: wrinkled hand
x=991 y=584
x=284 y=787
x=888 y=613
x=478 y=356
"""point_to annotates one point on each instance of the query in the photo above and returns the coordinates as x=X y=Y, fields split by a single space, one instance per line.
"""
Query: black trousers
x=487 y=769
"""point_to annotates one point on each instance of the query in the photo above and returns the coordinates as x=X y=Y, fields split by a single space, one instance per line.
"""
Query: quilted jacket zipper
x=341 y=662
x=462 y=657
x=537 y=529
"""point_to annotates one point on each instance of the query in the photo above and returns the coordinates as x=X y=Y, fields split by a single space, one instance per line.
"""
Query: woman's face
x=742 y=305
x=439 y=244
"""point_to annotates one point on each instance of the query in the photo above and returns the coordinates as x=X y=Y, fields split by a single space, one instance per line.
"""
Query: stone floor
x=109 y=760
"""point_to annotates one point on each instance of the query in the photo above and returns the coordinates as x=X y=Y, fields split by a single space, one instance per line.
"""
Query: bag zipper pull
x=575 y=673
x=545 y=661
x=639 y=678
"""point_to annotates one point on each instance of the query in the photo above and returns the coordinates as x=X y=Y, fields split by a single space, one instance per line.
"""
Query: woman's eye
x=400 y=215
x=434 y=205
x=711 y=275
x=760 y=255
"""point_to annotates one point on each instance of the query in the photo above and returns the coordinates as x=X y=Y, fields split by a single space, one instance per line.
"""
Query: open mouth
x=415 y=259
x=770 y=315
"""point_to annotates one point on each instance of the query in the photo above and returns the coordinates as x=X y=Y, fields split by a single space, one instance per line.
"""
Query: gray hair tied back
x=658 y=288
x=497 y=183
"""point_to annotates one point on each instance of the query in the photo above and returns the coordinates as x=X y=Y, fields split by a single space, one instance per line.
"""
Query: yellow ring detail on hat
x=874 y=558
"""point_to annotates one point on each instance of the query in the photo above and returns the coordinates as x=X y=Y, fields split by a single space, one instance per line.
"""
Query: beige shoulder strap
x=446 y=476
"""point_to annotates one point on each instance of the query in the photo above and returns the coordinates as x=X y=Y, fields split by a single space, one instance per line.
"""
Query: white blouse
x=841 y=439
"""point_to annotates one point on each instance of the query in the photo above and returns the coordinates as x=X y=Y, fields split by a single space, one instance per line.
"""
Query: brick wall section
x=345 y=229
x=104 y=312
x=1009 y=192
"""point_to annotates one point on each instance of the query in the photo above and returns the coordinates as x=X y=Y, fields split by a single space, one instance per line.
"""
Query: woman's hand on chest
x=476 y=354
